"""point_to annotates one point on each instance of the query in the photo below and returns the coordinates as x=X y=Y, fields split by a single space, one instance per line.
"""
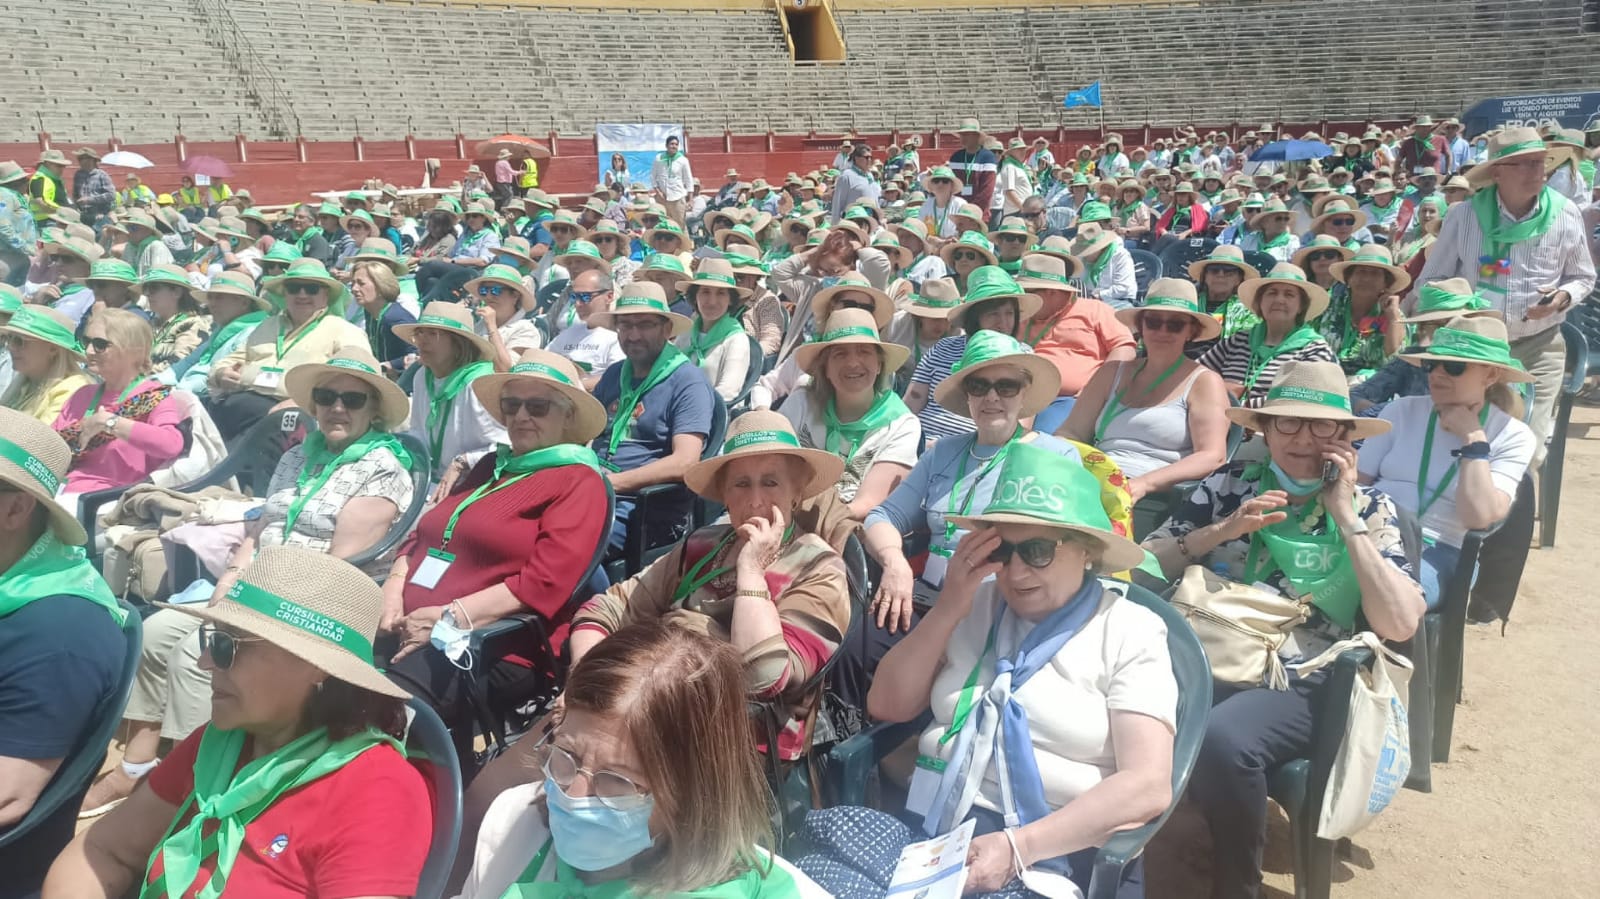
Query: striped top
x=1230 y=358
x=937 y=421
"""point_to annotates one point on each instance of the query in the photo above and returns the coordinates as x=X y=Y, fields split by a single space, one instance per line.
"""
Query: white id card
x=268 y=378
x=432 y=568
x=924 y=785
x=934 y=569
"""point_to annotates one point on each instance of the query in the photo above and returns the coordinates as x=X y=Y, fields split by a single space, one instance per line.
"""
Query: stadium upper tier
x=383 y=68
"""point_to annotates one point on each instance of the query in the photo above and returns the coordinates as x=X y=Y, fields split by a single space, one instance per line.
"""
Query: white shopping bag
x=1375 y=757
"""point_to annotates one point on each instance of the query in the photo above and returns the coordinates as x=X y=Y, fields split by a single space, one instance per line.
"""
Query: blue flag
x=1089 y=96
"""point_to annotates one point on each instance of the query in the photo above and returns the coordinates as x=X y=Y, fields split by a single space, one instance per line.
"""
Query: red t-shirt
x=363 y=830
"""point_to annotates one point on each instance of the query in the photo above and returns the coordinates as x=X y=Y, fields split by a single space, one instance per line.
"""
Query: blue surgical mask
x=452 y=641
x=592 y=836
x=1293 y=485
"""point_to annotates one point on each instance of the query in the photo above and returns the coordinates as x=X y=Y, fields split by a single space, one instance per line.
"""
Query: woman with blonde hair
x=376 y=288
x=46 y=359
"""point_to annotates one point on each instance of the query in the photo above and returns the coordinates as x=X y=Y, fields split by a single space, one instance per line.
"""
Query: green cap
x=1094 y=211
x=988 y=282
x=113 y=270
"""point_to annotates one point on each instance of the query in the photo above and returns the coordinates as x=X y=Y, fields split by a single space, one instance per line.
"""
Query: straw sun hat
x=1478 y=339
x=359 y=363
x=1173 y=295
x=1285 y=273
x=1308 y=390
x=764 y=433
x=557 y=372
x=849 y=326
x=991 y=349
x=34 y=460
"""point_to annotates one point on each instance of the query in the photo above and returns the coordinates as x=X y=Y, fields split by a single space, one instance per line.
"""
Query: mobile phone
x=1330 y=472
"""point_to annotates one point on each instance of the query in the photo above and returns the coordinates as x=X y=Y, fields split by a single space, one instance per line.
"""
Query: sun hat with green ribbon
x=1447 y=299
x=934 y=298
x=1096 y=211
x=641 y=298
x=1374 y=256
x=883 y=306
x=1336 y=205
x=1049 y=271
x=977 y=219
x=358 y=362
x=1269 y=208
x=362 y=216
x=1173 y=295
x=256 y=215
x=34 y=460
x=557 y=372
x=764 y=433
x=1319 y=244
x=990 y=282
x=329 y=207
x=1038 y=486
x=816 y=237
x=380 y=250
x=114 y=270
x=1506 y=145
x=452 y=318
x=711 y=272
x=43 y=323
x=312 y=605
x=1013 y=226
x=1285 y=273
x=746 y=265
x=1092 y=240
x=889 y=245
x=668 y=226
x=665 y=269
x=1316 y=390
x=989 y=350
x=304 y=269
x=282 y=251
x=503 y=275
x=606 y=228
x=237 y=284
x=1223 y=254
x=165 y=274
x=940 y=173
x=849 y=326
x=578 y=249
x=971 y=240
x=356 y=196
x=1480 y=339
x=744 y=233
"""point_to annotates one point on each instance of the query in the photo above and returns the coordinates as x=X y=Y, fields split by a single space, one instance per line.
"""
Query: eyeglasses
x=605 y=238
x=975 y=387
x=491 y=290
x=1036 y=553
x=1321 y=428
x=538 y=406
x=942 y=181
x=274 y=268
x=98 y=344
x=354 y=400
x=1453 y=369
x=223 y=646
x=586 y=297
x=1172 y=325
x=611 y=788
x=308 y=288
x=966 y=256
x=1343 y=221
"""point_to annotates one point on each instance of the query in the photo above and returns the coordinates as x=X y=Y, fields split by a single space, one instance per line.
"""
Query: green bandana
x=1470 y=347
x=518 y=467
x=702 y=341
x=1262 y=355
x=231 y=801
x=631 y=395
x=322 y=462
x=442 y=398
x=1499 y=236
x=227 y=332
x=1433 y=298
x=52 y=568
x=1318 y=566
x=845 y=438
x=1282 y=240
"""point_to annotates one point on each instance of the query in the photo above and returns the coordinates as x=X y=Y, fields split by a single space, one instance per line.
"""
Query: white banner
x=637 y=145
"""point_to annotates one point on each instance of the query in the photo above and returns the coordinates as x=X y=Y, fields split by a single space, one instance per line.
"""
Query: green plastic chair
x=852 y=764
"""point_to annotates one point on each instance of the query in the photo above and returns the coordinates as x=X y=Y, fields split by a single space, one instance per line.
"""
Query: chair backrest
x=1261 y=262
x=1235 y=430
x=72 y=777
x=752 y=374
x=254 y=456
x=547 y=296
x=1146 y=269
x=420 y=471
x=1177 y=257
x=719 y=428
x=431 y=751
x=408 y=378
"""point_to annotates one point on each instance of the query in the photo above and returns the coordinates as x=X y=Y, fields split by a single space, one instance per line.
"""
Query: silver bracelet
x=1016 y=854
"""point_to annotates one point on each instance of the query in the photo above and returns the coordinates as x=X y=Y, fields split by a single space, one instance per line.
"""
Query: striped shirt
x=937 y=421
x=1230 y=358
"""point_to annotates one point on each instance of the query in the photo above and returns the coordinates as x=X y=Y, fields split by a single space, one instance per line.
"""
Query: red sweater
x=536 y=537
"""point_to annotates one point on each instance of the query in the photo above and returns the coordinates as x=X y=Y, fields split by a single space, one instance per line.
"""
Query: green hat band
x=852 y=331
x=737 y=260
x=1050 y=487
x=1044 y=276
x=714 y=278
x=1436 y=299
x=1370 y=256
x=114 y=270
x=1172 y=303
x=666 y=262
x=298 y=616
x=643 y=304
x=159 y=277
x=10 y=301
x=539 y=368
x=441 y=321
x=931 y=303
x=1291 y=393
x=672 y=226
x=1286 y=276
x=1518 y=147
x=234 y=280
x=283 y=251
x=380 y=252
x=582 y=248
x=353 y=365
x=503 y=273
x=1471 y=347
x=988 y=282
x=751 y=438
x=45 y=328
x=31 y=464
x=987 y=346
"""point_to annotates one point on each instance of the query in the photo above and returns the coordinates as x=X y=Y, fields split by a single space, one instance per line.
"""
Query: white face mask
x=452 y=641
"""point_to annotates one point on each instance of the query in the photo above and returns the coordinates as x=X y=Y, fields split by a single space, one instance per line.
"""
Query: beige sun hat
x=1315 y=390
x=359 y=363
x=764 y=433
x=991 y=349
x=34 y=460
x=1478 y=339
x=849 y=326
x=452 y=318
x=312 y=605
x=1319 y=244
x=1285 y=273
x=1508 y=144
x=1092 y=240
x=711 y=272
x=557 y=372
x=506 y=277
x=641 y=298
x=1223 y=254
x=1173 y=295
x=1374 y=256
x=1270 y=208
x=882 y=304
x=934 y=299
x=1049 y=271
x=1339 y=205
x=381 y=250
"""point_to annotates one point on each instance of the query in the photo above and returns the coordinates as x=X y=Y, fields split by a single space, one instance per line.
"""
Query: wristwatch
x=111 y=425
x=1354 y=530
x=1478 y=449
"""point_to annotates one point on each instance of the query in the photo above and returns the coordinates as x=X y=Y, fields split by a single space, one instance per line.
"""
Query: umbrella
x=126 y=159
x=1291 y=151
x=210 y=166
x=519 y=146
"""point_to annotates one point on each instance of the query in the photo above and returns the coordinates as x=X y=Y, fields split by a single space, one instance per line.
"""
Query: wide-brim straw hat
x=579 y=249
x=1315 y=390
x=1059 y=247
x=1038 y=486
x=1048 y=271
x=359 y=363
x=1340 y=204
x=669 y=227
x=503 y=275
x=1285 y=273
x=940 y=172
x=640 y=297
x=1374 y=256
x=558 y=373
x=237 y=284
x=710 y=272
x=170 y=274
x=304 y=269
x=312 y=605
x=34 y=459
x=83 y=249
x=1319 y=244
x=451 y=318
x=934 y=299
x=1447 y=299
x=849 y=326
x=889 y=245
x=971 y=240
x=991 y=349
x=1092 y=240
x=381 y=250
x=49 y=325
x=882 y=304
x=1270 y=208
x=974 y=216
x=1173 y=295
x=991 y=282
x=1223 y=254
x=1478 y=339
x=764 y=433
x=1508 y=144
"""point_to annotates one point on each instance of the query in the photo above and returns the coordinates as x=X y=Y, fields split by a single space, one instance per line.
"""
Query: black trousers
x=430 y=676
x=439 y=280
x=236 y=412
x=1502 y=559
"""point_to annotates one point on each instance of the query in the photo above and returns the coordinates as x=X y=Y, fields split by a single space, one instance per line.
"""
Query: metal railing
x=260 y=83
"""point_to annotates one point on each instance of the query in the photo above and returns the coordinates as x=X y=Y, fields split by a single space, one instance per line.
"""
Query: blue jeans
x=1439 y=563
x=1054 y=415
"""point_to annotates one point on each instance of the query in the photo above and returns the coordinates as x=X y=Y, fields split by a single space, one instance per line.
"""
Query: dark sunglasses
x=1322 y=255
x=223 y=646
x=602 y=238
x=538 y=407
x=354 y=400
x=98 y=344
x=274 y=268
x=1038 y=552
x=491 y=290
x=586 y=297
x=309 y=288
x=1174 y=325
x=966 y=256
x=975 y=386
x=1222 y=270
x=1453 y=369
x=942 y=181
x=1321 y=428
x=1010 y=238
x=61 y=257
x=1343 y=221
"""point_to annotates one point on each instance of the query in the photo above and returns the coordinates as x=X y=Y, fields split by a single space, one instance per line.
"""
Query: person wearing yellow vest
x=136 y=195
x=218 y=193
x=46 y=191
x=189 y=199
x=529 y=176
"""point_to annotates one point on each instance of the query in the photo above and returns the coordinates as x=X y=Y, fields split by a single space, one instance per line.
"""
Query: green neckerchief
x=310 y=234
x=442 y=398
x=1318 y=566
x=1012 y=267
x=1233 y=316
x=1262 y=355
x=670 y=158
x=322 y=462
x=1098 y=266
x=1282 y=240
x=630 y=395
x=1181 y=217
x=227 y=332
x=1383 y=212
x=703 y=342
x=844 y=438
x=757 y=878
x=1499 y=236
x=518 y=467
x=1125 y=212
x=1343 y=332
x=52 y=568
x=232 y=801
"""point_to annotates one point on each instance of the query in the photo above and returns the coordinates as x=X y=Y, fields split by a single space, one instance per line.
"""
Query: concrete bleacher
x=383 y=68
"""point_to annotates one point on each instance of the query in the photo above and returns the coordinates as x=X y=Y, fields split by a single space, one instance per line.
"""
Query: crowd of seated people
x=966 y=404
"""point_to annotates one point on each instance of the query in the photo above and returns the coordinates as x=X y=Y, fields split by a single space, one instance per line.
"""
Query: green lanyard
x=520 y=466
x=1426 y=500
x=694 y=580
x=969 y=693
x=961 y=472
x=375 y=332
x=530 y=874
x=1114 y=406
x=1032 y=337
x=300 y=334
x=166 y=329
x=629 y=395
x=442 y=401
x=94 y=402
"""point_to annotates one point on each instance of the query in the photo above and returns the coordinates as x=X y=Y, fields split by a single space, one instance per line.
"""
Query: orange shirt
x=1077 y=340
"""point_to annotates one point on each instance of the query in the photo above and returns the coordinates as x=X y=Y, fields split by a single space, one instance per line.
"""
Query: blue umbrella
x=1291 y=151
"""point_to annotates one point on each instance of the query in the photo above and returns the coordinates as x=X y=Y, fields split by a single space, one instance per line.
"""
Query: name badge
x=924 y=785
x=432 y=568
x=938 y=563
x=268 y=378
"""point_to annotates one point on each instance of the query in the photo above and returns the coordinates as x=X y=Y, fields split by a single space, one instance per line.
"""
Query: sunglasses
x=1453 y=369
x=223 y=646
x=1222 y=270
x=966 y=256
x=490 y=290
x=1038 y=552
x=1011 y=238
x=1172 y=325
x=586 y=297
x=98 y=344
x=1343 y=221
x=1321 y=428
x=61 y=257
x=975 y=387
x=1323 y=255
x=354 y=400
x=308 y=288
x=538 y=407
x=274 y=268
x=604 y=238
x=942 y=181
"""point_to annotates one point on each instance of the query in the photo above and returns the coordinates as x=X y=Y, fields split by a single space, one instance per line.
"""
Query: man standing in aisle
x=92 y=190
x=975 y=166
x=855 y=183
x=672 y=180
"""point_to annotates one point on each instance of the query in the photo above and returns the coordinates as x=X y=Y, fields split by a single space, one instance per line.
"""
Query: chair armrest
x=89 y=505
x=1116 y=854
x=496 y=631
x=633 y=546
x=1578 y=351
x=850 y=763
